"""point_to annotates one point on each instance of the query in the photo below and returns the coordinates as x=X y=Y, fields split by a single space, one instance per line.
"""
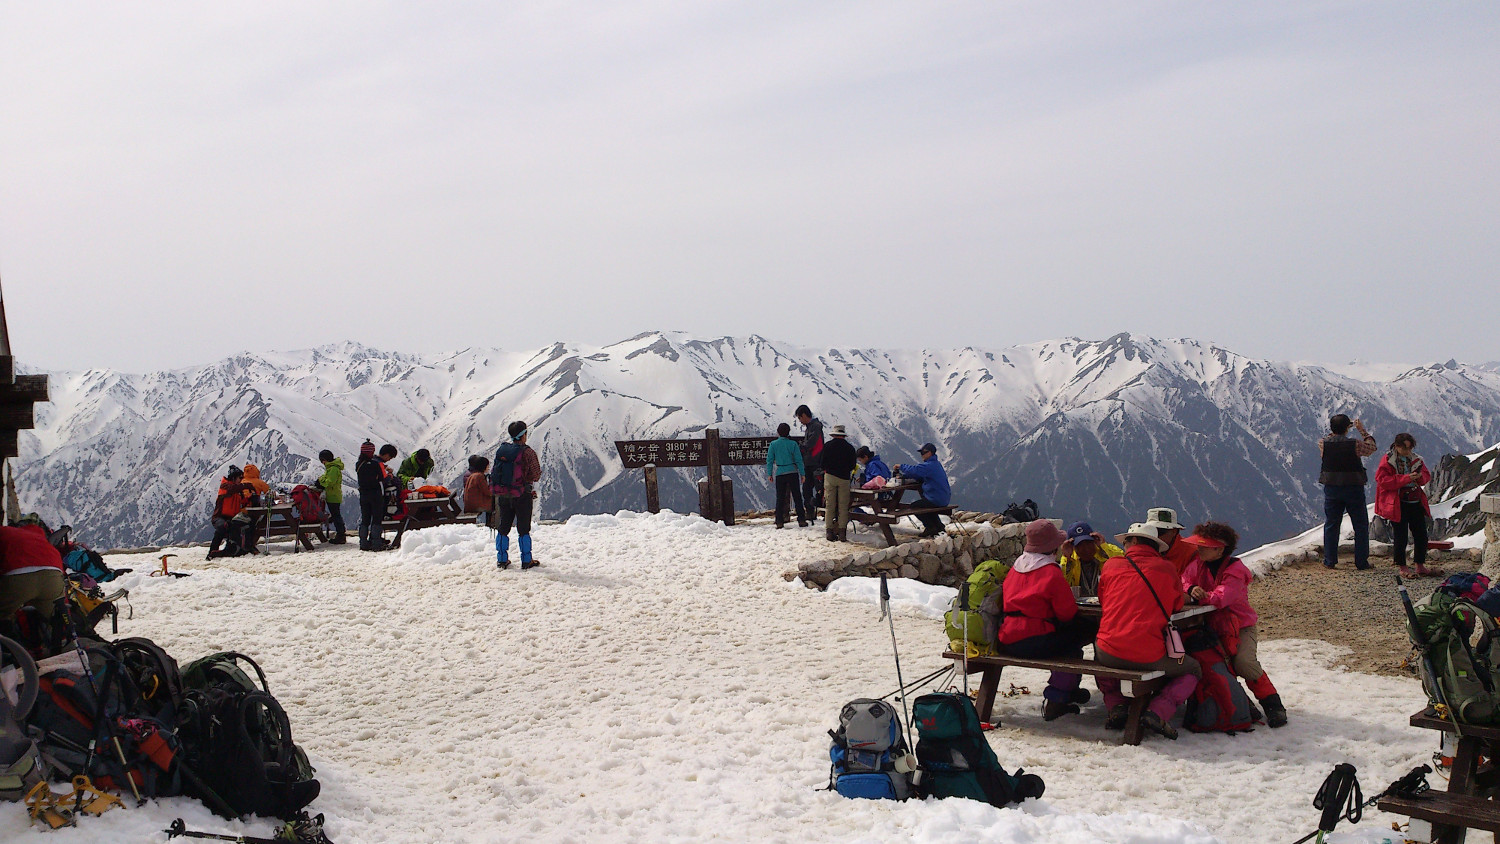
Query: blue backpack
x=87 y=561
x=865 y=749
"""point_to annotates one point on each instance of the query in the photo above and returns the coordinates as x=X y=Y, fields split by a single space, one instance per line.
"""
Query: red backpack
x=308 y=504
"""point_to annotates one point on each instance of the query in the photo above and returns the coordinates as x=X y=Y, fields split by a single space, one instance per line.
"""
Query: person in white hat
x=839 y=464
x=1169 y=531
x=1138 y=594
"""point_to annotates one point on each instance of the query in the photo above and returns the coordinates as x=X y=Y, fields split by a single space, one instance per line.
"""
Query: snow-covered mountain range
x=1096 y=429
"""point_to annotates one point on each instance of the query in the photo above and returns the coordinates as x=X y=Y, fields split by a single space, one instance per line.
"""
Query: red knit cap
x=367 y=450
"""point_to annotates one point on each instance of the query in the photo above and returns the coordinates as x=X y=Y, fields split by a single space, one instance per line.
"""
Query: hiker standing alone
x=512 y=480
x=332 y=485
x=1343 y=478
x=812 y=457
x=838 y=473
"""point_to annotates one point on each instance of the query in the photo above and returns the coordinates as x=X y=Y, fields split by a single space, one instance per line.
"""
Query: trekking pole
x=885 y=613
x=1424 y=647
x=1339 y=797
x=88 y=671
x=963 y=609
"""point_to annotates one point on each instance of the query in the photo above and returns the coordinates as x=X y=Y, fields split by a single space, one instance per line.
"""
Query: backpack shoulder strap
x=1154 y=596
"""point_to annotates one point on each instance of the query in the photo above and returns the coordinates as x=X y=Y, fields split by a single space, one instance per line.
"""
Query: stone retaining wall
x=943 y=560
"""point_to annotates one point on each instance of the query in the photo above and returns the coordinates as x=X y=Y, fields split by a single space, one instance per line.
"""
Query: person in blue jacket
x=935 y=489
x=870 y=466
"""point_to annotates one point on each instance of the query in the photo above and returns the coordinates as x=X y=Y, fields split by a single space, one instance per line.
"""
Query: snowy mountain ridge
x=1098 y=429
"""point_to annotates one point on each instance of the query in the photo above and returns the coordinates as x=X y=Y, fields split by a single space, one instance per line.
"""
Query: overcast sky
x=1300 y=180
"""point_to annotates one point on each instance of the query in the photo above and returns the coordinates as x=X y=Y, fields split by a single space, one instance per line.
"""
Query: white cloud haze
x=1295 y=180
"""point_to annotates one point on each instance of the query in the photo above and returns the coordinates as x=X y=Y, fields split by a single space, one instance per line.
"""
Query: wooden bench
x=1466 y=803
x=1142 y=684
x=281 y=520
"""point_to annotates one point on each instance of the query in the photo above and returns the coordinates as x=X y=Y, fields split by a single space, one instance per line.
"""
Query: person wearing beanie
x=1218 y=578
x=228 y=520
x=331 y=482
x=513 y=482
x=372 y=474
x=1039 y=607
x=935 y=489
x=1138 y=593
x=838 y=473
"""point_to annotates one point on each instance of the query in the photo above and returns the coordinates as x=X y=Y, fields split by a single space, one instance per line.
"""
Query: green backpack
x=954 y=759
x=1465 y=649
x=969 y=626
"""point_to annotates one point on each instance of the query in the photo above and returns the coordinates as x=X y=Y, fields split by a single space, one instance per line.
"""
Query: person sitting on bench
x=870 y=468
x=1084 y=556
x=1038 y=606
x=935 y=489
x=1138 y=592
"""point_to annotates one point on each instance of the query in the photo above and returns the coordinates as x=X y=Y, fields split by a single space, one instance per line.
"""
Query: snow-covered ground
x=657 y=680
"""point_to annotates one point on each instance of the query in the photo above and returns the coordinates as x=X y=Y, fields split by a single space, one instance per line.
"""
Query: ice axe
x=165 y=572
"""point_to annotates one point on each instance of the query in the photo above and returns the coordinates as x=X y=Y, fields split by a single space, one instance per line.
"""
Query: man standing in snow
x=1343 y=477
x=812 y=457
x=512 y=480
x=935 y=489
x=838 y=473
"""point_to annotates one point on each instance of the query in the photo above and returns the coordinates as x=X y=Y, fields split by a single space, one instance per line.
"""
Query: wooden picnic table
x=1468 y=801
x=884 y=507
x=1137 y=685
x=281 y=520
x=429 y=512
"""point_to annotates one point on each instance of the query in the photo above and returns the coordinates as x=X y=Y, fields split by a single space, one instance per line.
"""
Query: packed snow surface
x=657 y=680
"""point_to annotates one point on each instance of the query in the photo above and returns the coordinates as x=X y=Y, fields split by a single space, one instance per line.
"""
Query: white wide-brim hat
x=1143 y=531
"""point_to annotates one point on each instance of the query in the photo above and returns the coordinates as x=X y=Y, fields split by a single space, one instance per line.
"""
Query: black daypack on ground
x=955 y=759
x=1026 y=511
x=237 y=742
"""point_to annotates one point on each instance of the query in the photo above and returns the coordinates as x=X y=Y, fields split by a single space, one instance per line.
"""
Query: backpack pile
x=976 y=612
x=955 y=760
x=869 y=754
x=1026 y=511
x=1463 y=647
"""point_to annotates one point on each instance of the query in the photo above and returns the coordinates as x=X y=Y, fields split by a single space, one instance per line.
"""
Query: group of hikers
x=820 y=472
x=1153 y=572
x=1400 y=495
x=502 y=498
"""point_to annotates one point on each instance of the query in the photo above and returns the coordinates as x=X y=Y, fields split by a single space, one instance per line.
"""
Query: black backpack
x=237 y=742
x=1026 y=511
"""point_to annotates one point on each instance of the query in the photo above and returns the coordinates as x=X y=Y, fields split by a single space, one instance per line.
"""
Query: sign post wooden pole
x=653 y=493
x=715 y=476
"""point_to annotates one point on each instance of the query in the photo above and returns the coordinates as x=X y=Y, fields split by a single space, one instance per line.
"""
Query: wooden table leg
x=1135 y=730
x=989 y=683
x=890 y=536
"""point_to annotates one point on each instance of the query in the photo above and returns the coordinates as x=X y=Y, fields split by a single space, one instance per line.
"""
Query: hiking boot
x=780 y=525
x=339 y=540
x=831 y=536
x=1055 y=709
x=529 y=564
x=1155 y=724
x=502 y=564
x=1079 y=696
x=1118 y=715
x=1275 y=712
x=801 y=523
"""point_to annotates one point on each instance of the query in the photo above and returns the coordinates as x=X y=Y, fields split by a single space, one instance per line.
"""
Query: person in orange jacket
x=228 y=520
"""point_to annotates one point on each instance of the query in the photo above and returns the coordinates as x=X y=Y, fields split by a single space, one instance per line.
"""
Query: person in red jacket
x=1138 y=593
x=31 y=571
x=477 y=496
x=1038 y=606
x=229 y=523
x=1401 y=500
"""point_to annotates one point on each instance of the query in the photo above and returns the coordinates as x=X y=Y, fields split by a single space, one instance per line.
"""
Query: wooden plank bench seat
x=1444 y=808
x=304 y=532
x=1142 y=684
x=885 y=519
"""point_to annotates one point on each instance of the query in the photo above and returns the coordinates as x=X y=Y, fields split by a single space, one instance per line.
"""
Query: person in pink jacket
x=1038 y=608
x=1218 y=578
x=1401 y=500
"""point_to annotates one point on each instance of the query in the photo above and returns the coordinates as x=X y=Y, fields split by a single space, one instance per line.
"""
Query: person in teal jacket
x=785 y=468
x=332 y=485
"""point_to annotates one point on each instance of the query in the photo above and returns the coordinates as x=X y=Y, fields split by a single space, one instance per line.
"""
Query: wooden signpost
x=713 y=452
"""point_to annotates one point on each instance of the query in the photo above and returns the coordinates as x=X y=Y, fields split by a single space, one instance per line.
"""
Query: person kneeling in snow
x=1038 y=607
x=1138 y=594
x=512 y=481
x=1219 y=579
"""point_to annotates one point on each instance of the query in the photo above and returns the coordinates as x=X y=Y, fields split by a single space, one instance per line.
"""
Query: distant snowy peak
x=1088 y=427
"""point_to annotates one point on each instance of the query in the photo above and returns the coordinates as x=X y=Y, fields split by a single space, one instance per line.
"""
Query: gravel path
x=1357 y=609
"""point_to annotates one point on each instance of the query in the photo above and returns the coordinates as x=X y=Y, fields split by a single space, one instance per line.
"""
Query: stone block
x=929 y=565
x=965 y=563
x=908 y=570
x=1013 y=529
